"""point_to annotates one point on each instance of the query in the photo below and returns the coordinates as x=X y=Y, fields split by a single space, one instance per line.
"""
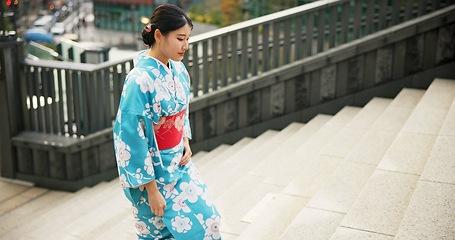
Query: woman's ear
x=157 y=34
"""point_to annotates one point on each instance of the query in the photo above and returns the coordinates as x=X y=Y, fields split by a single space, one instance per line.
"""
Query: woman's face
x=174 y=44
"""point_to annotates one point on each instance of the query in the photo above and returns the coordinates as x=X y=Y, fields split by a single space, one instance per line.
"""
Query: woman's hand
x=186 y=152
x=156 y=199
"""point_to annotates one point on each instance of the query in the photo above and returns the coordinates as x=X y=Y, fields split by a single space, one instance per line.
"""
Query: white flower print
x=181 y=224
x=143 y=82
x=180 y=204
x=156 y=107
x=174 y=165
x=194 y=173
x=162 y=93
x=134 y=211
x=180 y=92
x=208 y=198
x=140 y=129
x=123 y=181
x=169 y=190
x=156 y=72
x=123 y=154
x=141 y=228
x=119 y=116
x=157 y=222
x=191 y=191
x=148 y=165
x=213 y=227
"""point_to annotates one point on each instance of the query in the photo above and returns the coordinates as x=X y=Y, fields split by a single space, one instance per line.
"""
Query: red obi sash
x=169 y=130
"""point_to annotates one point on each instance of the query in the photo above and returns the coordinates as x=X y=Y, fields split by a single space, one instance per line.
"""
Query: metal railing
x=243 y=50
x=72 y=99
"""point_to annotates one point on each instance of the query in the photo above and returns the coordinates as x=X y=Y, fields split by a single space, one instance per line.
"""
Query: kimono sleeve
x=134 y=140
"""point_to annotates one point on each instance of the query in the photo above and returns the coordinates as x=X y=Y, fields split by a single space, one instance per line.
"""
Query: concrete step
x=58 y=214
x=381 y=204
x=239 y=200
x=284 y=153
x=206 y=158
x=66 y=220
x=312 y=224
x=431 y=212
x=355 y=129
x=336 y=196
x=393 y=182
x=271 y=216
x=352 y=174
x=17 y=219
x=308 y=161
x=220 y=157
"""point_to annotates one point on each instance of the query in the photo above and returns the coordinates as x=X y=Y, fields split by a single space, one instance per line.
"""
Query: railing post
x=11 y=121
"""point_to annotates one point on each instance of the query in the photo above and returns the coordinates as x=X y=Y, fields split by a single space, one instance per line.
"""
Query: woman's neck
x=153 y=52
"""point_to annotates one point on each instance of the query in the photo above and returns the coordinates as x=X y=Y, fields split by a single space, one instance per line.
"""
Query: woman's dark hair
x=166 y=18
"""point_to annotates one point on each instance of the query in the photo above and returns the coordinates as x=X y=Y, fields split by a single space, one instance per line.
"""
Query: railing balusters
x=409 y=8
x=320 y=19
x=396 y=9
x=206 y=80
x=61 y=113
x=265 y=47
x=69 y=103
x=214 y=56
x=244 y=55
x=276 y=44
x=195 y=76
x=333 y=27
x=298 y=37
x=224 y=58
x=287 y=46
x=370 y=17
x=309 y=34
x=254 y=51
x=345 y=22
x=234 y=56
x=77 y=98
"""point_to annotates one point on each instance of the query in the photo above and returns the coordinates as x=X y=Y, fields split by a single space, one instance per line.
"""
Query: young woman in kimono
x=151 y=134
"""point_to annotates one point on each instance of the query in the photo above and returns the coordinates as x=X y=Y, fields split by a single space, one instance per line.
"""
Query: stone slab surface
x=341 y=190
x=369 y=113
x=265 y=227
x=343 y=233
x=408 y=98
x=425 y=120
x=431 y=213
x=441 y=163
x=306 y=132
x=342 y=143
x=439 y=94
x=392 y=118
x=448 y=128
x=313 y=176
x=314 y=224
x=408 y=153
x=382 y=203
x=372 y=147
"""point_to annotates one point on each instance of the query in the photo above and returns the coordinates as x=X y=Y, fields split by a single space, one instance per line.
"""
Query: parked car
x=58 y=28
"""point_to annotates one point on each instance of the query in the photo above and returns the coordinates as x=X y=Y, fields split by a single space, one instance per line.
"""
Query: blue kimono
x=148 y=139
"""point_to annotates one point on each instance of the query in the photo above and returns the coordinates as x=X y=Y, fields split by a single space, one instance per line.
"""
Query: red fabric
x=169 y=130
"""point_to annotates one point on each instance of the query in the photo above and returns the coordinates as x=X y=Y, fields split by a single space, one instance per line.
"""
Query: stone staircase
x=384 y=171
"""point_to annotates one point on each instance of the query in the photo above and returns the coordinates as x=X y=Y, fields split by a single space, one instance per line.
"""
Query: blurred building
x=125 y=15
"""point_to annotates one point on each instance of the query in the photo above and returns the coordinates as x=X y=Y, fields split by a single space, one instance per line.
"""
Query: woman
x=151 y=138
